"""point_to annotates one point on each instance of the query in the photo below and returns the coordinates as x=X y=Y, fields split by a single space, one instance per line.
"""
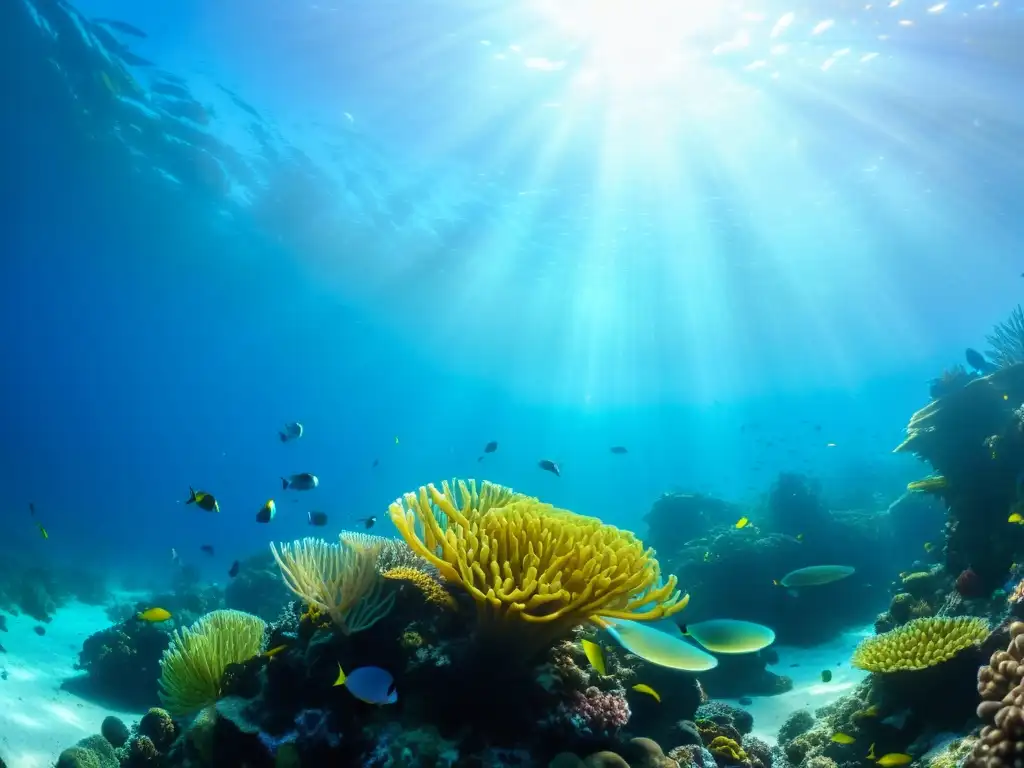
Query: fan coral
x=432 y=591
x=527 y=563
x=340 y=580
x=1001 y=685
x=920 y=644
x=1007 y=340
x=193 y=666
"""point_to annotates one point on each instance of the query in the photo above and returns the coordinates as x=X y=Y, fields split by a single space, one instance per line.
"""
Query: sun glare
x=632 y=42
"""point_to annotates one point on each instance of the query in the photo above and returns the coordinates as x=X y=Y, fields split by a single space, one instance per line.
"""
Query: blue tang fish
x=370 y=684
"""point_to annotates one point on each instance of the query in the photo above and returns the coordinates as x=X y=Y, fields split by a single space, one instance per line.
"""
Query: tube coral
x=340 y=580
x=527 y=563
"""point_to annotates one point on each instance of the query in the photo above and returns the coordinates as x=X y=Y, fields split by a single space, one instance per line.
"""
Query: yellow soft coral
x=432 y=591
x=340 y=580
x=526 y=562
x=193 y=665
x=919 y=644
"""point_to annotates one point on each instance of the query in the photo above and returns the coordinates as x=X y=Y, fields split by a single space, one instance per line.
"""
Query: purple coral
x=597 y=711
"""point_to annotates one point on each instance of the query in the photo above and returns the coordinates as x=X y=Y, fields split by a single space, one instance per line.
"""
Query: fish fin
x=284 y=437
x=284 y=484
x=191 y=495
x=341 y=676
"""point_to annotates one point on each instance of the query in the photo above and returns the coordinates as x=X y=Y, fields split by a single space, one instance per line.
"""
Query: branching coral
x=920 y=644
x=1001 y=685
x=341 y=580
x=192 y=668
x=527 y=563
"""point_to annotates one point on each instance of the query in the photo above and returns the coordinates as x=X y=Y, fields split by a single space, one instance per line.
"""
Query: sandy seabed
x=38 y=720
x=804 y=666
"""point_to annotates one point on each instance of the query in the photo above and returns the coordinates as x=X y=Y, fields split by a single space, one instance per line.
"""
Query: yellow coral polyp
x=432 y=591
x=919 y=644
x=525 y=561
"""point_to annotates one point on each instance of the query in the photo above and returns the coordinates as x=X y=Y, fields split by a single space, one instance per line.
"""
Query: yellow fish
x=843 y=738
x=707 y=556
x=1016 y=517
x=396 y=439
x=642 y=688
x=871 y=711
x=894 y=759
x=799 y=537
x=595 y=656
x=153 y=614
x=274 y=651
x=928 y=546
x=42 y=531
x=743 y=522
x=1005 y=397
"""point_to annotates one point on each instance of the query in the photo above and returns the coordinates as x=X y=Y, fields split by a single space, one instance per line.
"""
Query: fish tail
x=284 y=483
x=191 y=496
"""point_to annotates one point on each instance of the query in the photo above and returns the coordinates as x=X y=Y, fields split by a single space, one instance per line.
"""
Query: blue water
x=494 y=243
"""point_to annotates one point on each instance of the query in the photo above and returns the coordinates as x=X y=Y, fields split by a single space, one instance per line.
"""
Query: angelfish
x=203 y=500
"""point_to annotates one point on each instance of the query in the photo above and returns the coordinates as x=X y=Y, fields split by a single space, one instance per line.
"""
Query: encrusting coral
x=527 y=563
x=192 y=668
x=341 y=580
x=919 y=644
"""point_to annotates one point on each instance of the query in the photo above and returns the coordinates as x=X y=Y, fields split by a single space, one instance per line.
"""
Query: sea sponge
x=919 y=644
x=526 y=563
x=433 y=591
x=193 y=665
x=341 y=580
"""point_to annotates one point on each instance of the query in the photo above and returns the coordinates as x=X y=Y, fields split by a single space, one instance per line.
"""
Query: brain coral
x=919 y=644
x=1001 y=685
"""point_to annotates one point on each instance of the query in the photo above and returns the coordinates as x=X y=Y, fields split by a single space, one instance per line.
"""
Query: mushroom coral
x=532 y=567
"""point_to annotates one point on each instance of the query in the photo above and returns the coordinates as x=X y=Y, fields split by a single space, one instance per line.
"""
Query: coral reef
x=973 y=437
x=122 y=663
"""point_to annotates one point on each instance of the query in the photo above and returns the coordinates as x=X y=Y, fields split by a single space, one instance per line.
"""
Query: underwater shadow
x=85 y=687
